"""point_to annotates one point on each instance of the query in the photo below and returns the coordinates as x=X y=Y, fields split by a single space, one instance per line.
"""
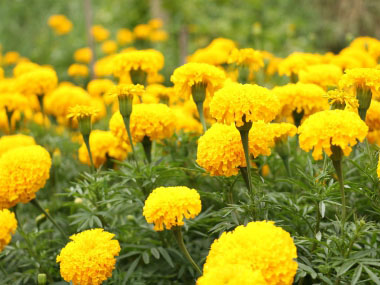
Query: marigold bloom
x=78 y=70
x=13 y=102
x=60 y=24
x=38 y=81
x=378 y=169
x=99 y=33
x=142 y=31
x=220 y=151
x=162 y=93
x=282 y=131
x=124 y=36
x=236 y=103
x=81 y=111
x=168 y=206
x=260 y=247
x=324 y=75
x=8 y=226
x=89 y=258
x=23 y=171
x=247 y=57
x=185 y=121
x=190 y=74
x=363 y=78
x=149 y=61
x=342 y=99
x=1 y=72
x=297 y=61
x=11 y=57
x=24 y=67
x=301 y=97
x=14 y=141
x=158 y=36
x=99 y=87
x=331 y=127
x=104 y=66
x=156 y=23
x=373 y=116
x=103 y=145
x=353 y=58
x=109 y=47
x=155 y=121
x=83 y=55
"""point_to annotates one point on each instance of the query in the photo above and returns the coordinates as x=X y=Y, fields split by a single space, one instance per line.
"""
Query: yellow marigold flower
x=14 y=141
x=220 y=151
x=81 y=111
x=232 y=274
x=13 y=102
x=331 y=127
x=24 y=67
x=378 y=169
x=259 y=246
x=359 y=57
x=109 y=47
x=373 y=116
x=324 y=75
x=297 y=61
x=99 y=33
x=162 y=93
x=168 y=206
x=124 y=36
x=8 y=85
x=8 y=226
x=272 y=66
x=126 y=90
x=149 y=61
x=156 y=23
x=236 y=102
x=158 y=36
x=374 y=137
x=99 y=87
x=155 y=121
x=247 y=57
x=104 y=66
x=78 y=70
x=142 y=31
x=89 y=258
x=301 y=97
x=60 y=24
x=103 y=145
x=11 y=57
x=38 y=81
x=185 y=121
x=23 y=171
x=83 y=55
x=342 y=99
x=190 y=74
x=363 y=78
x=282 y=131
x=1 y=73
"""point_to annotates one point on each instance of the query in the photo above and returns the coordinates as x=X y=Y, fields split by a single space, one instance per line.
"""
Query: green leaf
x=345 y=267
x=131 y=269
x=357 y=273
x=155 y=252
x=145 y=257
x=308 y=269
x=372 y=275
x=166 y=256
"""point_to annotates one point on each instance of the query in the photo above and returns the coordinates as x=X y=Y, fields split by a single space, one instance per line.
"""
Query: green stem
x=127 y=120
x=339 y=172
x=201 y=115
x=36 y=204
x=178 y=235
x=86 y=139
x=244 y=139
x=147 y=145
x=9 y=117
x=317 y=225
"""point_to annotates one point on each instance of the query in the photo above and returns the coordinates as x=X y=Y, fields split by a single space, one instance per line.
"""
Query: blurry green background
x=279 y=26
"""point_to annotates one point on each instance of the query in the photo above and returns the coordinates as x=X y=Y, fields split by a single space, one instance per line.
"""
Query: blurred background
x=278 y=26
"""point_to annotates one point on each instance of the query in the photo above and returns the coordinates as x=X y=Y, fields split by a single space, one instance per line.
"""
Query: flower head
x=109 y=47
x=78 y=70
x=142 y=31
x=361 y=78
x=124 y=36
x=236 y=103
x=23 y=171
x=373 y=116
x=342 y=99
x=324 y=75
x=247 y=57
x=83 y=55
x=297 y=61
x=60 y=24
x=89 y=258
x=24 y=67
x=13 y=102
x=155 y=121
x=14 y=141
x=38 y=81
x=265 y=250
x=331 y=128
x=100 y=33
x=81 y=111
x=11 y=57
x=8 y=226
x=127 y=90
x=168 y=206
x=282 y=131
x=99 y=87
x=190 y=74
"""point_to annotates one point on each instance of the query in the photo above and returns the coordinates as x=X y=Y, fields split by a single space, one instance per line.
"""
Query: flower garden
x=234 y=166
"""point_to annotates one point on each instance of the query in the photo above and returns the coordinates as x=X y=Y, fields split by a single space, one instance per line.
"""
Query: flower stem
x=198 y=91
x=127 y=120
x=339 y=172
x=9 y=117
x=178 y=236
x=201 y=115
x=86 y=139
x=147 y=145
x=36 y=204
x=244 y=133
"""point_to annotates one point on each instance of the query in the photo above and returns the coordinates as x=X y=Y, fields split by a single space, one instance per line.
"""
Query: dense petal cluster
x=156 y=121
x=83 y=55
x=81 y=111
x=24 y=67
x=261 y=139
x=260 y=247
x=99 y=87
x=14 y=141
x=282 y=131
x=149 y=61
x=8 y=226
x=13 y=102
x=23 y=171
x=364 y=78
x=247 y=57
x=301 y=97
x=296 y=62
x=331 y=127
x=103 y=145
x=38 y=81
x=60 y=24
x=127 y=90
x=89 y=258
x=346 y=98
x=124 y=36
x=189 y=74
x=373 y=116
x=186 y=122
x=109 y=47
x=324 y=75
x=100 y=33
x=236 y=102
x=78 y=70
x=168 y=206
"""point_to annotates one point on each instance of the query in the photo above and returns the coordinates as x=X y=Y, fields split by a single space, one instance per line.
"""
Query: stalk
x=147 y=145
x=86 y=139
x=127 y=120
